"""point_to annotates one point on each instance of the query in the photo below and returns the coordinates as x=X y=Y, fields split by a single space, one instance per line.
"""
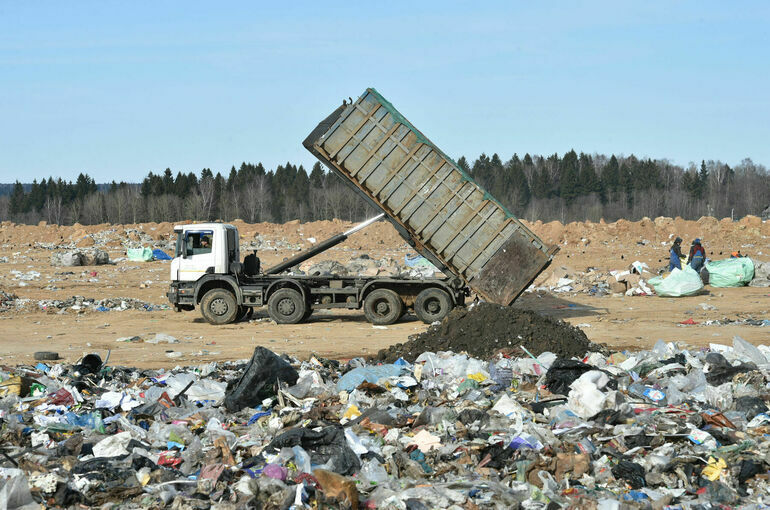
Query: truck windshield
x=195 y=243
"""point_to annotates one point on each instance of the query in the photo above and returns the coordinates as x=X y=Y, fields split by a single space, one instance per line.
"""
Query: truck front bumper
x=181 y=294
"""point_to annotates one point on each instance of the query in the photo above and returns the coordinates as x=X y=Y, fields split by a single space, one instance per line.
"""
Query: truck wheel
x=383 y=307
x=432 y=305
x=286 y=306
x=218 y=306
x=308 y=313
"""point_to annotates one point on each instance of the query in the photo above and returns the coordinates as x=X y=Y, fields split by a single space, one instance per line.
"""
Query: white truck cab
x=204 y=248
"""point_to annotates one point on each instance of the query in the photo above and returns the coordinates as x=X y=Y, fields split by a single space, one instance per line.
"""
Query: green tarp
x=139 y=254
x=681 y=282
x=735 y=272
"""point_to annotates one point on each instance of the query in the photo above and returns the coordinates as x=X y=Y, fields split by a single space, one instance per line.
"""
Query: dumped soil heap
x=484 y=329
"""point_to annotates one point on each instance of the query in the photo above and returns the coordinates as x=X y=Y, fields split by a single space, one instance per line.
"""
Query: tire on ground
x=432 y=305
x=383 y=307
x=286 y=306
x=218 y=306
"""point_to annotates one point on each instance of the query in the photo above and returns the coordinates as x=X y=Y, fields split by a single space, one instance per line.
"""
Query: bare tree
x=206 y=190
x=54 y=209
x=93 y=208
x=256 y=198
x=5 y=207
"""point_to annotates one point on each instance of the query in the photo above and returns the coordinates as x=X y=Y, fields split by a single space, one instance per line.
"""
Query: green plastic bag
x=139 y=254
x=681 y=282
x=735 y=272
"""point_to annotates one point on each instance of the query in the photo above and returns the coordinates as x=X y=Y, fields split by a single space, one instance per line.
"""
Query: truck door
x=198 y=254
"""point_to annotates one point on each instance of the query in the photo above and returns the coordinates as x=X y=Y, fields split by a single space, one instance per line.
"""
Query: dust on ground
x=622 y=322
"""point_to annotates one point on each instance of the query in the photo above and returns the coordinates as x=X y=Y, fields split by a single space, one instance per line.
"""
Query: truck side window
x=199 y=243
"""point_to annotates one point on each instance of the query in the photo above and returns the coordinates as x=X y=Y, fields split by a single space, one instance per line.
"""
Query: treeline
x=572 y=187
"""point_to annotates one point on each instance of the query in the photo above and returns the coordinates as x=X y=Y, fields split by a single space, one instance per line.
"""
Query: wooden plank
x=354 y=131
x=450 y=196
x=472 y=215
x=375 y=167
x=409 y=157
x=491 y=239
x=431 y=174
x=375 y=148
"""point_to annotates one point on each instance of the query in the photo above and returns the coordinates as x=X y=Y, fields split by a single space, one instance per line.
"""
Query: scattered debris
x=664 y=427
x=84 y=257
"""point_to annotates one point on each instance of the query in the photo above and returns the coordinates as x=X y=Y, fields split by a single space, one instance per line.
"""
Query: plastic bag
x=735 y=272
x=14 y=493
x=139 y=254
x=258 y=380
x=681 y=282
x=585 y=397
x=370 y=373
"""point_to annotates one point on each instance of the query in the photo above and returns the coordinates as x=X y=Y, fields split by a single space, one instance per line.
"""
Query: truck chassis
x=292 y=299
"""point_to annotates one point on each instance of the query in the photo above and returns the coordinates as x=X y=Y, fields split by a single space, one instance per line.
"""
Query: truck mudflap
x=433 y=204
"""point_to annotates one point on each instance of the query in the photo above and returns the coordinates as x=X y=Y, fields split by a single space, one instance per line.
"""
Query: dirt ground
x=621 y=322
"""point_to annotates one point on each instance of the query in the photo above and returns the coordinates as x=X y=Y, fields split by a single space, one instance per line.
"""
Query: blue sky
x=119 y=89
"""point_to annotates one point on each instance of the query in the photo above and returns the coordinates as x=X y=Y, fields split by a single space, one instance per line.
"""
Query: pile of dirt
x=484 y=329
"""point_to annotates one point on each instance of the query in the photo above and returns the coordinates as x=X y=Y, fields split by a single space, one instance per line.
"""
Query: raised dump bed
x=438 y=208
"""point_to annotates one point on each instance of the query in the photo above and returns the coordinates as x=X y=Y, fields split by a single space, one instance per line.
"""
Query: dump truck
x=439 y=210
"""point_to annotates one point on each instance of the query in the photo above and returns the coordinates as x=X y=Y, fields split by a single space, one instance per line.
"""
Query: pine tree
x=168 y=182
x=16 y=204
x=569 y=177
x=317 y=176
x=703 y=179
x=627 y=183
x=588 y=181
x=463 y=164
x=611 y=175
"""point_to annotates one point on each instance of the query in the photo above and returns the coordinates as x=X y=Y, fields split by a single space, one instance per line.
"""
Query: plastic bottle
x=302 y=459
x=373 y=473
x=648 y=393
x=91 y=420
x=563 y=418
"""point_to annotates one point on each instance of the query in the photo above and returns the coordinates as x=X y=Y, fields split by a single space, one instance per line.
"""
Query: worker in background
x=736 y=255
x=697 y=255
x=675 y=260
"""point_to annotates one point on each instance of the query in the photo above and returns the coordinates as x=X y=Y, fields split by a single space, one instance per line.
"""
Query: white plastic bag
x=681 y=282
x=585 y=398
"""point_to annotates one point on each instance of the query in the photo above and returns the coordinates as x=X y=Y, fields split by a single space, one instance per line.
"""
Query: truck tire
x=383 y=307
x=218 y=307
x=432 y=305
x=286 y=306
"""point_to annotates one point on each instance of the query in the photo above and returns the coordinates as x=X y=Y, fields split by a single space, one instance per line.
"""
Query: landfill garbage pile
x=761 y=274
x=665 y=427
x=484 y=329
x=80 y=257
x=7 y=300
x=629 y=282
x=363 y=265
x=83 y=304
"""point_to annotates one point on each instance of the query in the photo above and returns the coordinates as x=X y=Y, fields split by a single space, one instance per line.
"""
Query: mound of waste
x=483 y=329
x=664 y=428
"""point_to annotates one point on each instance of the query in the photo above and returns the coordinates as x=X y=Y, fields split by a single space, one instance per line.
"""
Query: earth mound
x=484 y=329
